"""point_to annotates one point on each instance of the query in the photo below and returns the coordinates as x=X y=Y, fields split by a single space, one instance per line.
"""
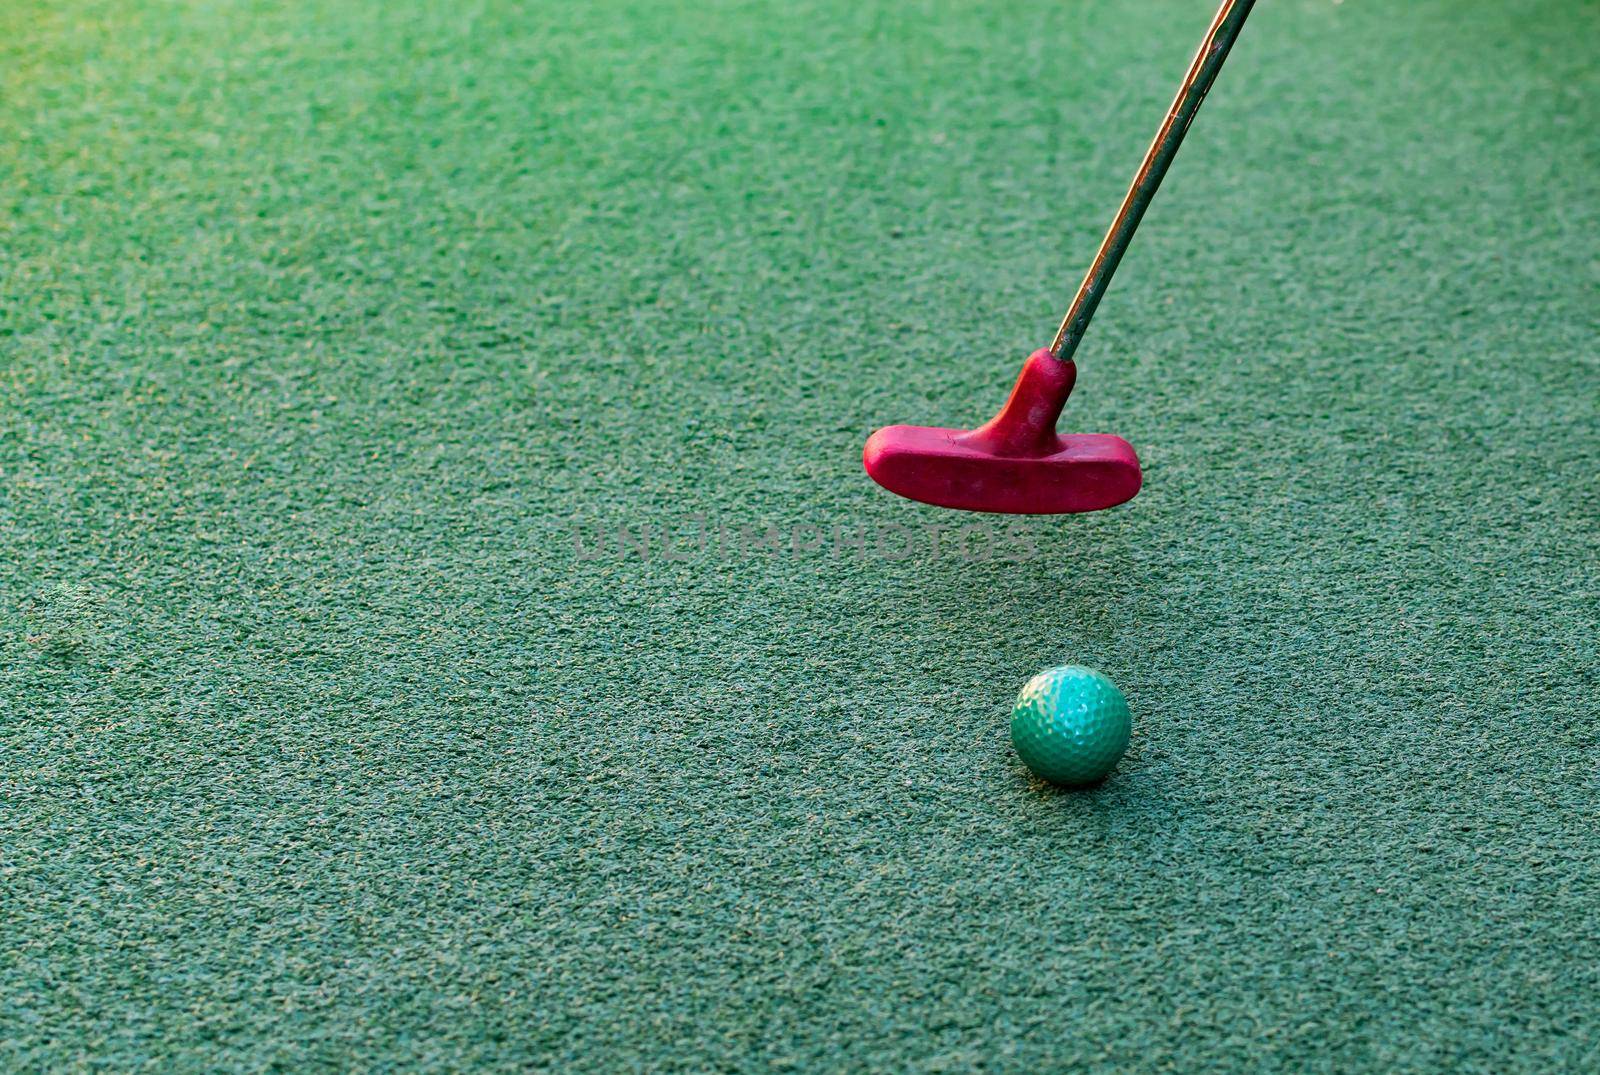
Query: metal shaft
x=1202 y=72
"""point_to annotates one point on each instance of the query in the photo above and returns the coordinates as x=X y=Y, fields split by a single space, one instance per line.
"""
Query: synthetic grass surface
x=335 y=335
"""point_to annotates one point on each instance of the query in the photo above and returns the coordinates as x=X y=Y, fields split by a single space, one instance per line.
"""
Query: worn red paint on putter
x=1016 y=463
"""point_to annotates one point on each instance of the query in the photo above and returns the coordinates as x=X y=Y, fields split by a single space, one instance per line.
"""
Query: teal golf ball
x=1070 y=725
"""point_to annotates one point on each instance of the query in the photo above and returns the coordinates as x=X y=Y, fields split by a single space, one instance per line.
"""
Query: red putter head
x=1015 y=464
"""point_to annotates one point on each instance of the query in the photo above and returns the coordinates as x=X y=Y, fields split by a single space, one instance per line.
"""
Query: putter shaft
x=1202 y=73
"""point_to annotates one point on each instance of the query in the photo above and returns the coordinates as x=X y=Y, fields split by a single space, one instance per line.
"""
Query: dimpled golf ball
x=1070 y=725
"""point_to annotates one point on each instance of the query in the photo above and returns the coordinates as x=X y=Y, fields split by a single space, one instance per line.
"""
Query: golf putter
x=1017 y=463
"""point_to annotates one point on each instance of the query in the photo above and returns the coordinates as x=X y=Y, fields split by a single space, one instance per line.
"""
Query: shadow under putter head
x=1018 y=463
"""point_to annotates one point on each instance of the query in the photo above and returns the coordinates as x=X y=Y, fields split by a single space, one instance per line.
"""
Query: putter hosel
x=1026 y=425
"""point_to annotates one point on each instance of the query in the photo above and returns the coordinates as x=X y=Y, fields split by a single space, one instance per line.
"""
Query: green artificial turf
x=335 y=335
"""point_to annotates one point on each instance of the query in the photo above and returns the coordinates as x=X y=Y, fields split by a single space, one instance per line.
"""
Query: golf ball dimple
x=1070 y=725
